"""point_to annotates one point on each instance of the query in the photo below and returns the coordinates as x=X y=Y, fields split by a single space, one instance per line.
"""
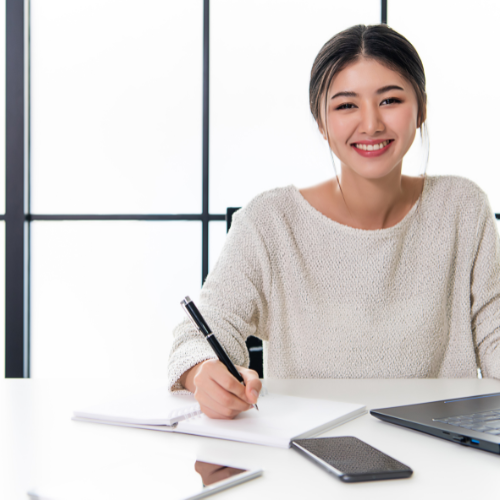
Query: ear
x=421 y=118
x=322 y=131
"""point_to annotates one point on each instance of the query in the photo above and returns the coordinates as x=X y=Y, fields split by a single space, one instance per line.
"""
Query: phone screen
x=351 y=459
x=214 y=473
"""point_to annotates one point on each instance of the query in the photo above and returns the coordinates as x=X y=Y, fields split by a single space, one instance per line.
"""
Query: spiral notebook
x=281 y=418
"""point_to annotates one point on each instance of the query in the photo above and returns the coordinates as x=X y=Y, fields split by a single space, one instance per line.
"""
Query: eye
x=393 y=99
x=343 y=106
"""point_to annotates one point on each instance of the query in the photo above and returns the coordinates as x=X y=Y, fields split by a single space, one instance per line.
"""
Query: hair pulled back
x=379 y=42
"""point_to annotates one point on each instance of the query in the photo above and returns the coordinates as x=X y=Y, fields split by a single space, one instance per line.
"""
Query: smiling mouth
x=372 y=147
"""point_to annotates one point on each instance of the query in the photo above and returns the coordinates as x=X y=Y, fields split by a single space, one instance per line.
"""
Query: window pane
x=217 y=238
x=262 y=133
x=106 y=296
x=458 y=47
x=116 y=106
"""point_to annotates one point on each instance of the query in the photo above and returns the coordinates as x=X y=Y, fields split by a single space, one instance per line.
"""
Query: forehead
x=366 y=76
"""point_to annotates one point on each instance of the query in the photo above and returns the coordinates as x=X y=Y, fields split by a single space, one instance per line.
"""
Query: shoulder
x=270 y=205
x=455 y=192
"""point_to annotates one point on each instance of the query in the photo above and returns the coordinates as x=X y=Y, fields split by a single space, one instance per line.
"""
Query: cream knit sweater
x=419 y=299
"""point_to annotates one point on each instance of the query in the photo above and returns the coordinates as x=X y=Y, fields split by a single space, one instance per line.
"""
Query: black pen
x=201 y=325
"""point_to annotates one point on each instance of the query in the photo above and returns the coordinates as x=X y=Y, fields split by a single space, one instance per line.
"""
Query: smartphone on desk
x=350 y=459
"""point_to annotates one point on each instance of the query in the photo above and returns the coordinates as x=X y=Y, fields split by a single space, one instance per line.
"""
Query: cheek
x=405 y=122
x=339 y=129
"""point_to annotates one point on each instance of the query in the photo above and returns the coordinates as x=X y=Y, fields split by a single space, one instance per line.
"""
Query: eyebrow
x=379 y=91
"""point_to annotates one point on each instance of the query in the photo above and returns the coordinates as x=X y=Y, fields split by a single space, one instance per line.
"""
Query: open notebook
x=280 y=420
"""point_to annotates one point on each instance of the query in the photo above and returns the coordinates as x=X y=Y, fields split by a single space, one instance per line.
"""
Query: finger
x=215 y=370
x=214 y=409
x=207 y=404
x=229 y=383
x=223 y=404
x=253 y=384
x=223 y=397
x=212 y=414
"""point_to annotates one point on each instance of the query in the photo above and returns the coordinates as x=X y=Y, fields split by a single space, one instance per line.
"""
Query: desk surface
x=40 y=443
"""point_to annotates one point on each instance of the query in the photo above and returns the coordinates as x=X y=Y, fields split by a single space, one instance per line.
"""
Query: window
x=140 y=126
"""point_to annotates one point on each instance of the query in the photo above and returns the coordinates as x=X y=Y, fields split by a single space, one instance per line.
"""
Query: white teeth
x=370 y=147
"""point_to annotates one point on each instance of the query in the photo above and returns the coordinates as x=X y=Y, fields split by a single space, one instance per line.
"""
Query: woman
x=370 y=274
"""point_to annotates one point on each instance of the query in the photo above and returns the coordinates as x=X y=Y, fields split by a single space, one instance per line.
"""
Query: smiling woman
x=371 y=274
x=369 y=99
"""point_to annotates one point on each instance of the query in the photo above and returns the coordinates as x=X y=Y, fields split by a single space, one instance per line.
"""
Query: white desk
x=40 y=443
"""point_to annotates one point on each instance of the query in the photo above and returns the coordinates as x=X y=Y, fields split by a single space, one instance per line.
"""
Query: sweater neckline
x=354 y=230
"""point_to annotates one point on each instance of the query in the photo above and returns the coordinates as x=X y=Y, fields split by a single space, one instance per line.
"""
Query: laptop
x=472 y=421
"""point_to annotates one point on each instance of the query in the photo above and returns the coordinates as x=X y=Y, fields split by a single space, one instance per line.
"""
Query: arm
x=233 y=302
x=485 y=295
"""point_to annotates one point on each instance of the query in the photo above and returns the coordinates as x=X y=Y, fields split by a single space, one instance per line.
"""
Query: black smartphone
x=351 y=459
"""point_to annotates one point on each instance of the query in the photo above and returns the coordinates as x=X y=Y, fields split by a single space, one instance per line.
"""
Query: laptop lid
x=472 y=421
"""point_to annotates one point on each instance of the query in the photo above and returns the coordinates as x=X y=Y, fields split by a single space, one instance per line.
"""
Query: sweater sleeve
x=485 y=294
x=232 y=300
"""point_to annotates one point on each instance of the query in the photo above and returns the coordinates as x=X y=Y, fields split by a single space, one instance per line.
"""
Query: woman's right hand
x=219 y=394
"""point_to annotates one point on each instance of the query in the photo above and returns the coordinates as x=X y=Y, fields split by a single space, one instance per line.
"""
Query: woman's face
x=368 y=105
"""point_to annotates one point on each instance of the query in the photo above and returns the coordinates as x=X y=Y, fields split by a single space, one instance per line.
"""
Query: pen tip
x=256 y=407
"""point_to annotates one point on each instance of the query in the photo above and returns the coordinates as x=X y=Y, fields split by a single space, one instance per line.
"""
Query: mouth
x=372 y=147
x=370 y=150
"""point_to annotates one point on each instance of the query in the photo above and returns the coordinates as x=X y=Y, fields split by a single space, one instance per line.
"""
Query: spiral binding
x=186 y=413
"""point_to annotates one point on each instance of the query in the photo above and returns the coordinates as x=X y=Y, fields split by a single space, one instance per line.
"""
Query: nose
x=371 y=120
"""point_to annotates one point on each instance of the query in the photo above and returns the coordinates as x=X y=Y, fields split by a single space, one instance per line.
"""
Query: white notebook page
x=280 y=419
x=149 y=407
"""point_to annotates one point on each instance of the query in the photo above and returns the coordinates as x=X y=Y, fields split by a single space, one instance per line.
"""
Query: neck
x=374 y=203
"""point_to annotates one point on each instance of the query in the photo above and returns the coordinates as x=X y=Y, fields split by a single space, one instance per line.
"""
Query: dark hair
x=375 y=42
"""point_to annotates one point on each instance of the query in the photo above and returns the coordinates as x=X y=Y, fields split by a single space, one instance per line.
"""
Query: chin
x=374 y=173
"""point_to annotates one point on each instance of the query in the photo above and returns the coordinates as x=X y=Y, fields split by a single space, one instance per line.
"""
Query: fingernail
x=255 y=393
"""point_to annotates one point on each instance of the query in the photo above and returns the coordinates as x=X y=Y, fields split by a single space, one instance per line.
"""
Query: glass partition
x=105 y=296
x=217 y=239
x=116 y=106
